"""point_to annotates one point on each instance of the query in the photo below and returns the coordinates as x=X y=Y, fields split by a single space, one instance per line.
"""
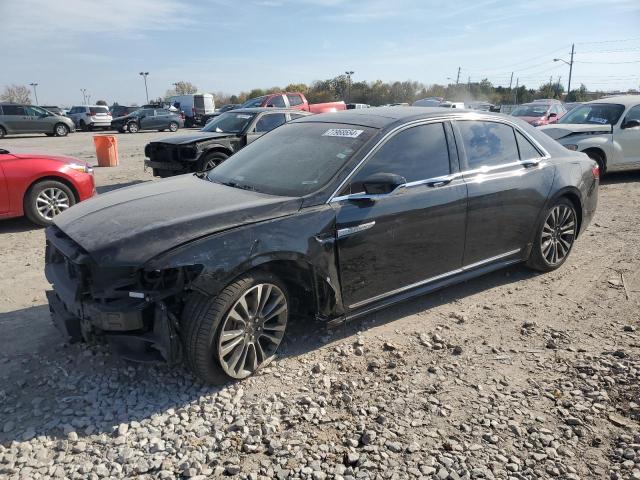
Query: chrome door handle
x=439 y=182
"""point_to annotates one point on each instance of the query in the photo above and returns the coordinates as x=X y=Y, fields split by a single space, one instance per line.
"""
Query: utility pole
x=515 y=97
x=349 y=73
x=84 y=95
x=570 y=69
x=35 y=92
x=458 y=77
x=469 y=84
x=511 y=81
x=144 y=75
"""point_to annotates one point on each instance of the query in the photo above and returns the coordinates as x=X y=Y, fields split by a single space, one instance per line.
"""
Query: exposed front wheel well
x=599 y=157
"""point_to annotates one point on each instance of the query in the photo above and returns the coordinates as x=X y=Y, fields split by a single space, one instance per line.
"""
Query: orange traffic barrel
x=106 y=150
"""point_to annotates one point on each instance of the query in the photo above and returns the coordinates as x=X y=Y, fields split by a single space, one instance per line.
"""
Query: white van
x=195 y=106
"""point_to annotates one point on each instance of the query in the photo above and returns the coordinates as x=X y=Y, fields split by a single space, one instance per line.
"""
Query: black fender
x=305 y=241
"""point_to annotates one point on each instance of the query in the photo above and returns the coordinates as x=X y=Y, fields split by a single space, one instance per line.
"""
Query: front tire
x=46 y=199
x=3 y=132
x=211 y=161
x=173 y=127
x=132 y=127
x=233 y=335
x=60 y=130
x=555 y=237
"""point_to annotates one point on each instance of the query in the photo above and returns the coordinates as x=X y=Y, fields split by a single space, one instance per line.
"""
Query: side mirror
x=382 y=183
x=631 y=124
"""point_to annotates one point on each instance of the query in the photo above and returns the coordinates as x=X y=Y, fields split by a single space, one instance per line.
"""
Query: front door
x=148 y=120
x=508 y=183
x=39 y=120
x=265 y=123
x=629 y=138
x=4 y=194
x=398 y=241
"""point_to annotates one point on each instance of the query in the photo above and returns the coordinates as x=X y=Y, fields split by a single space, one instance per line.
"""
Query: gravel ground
x=514 y=375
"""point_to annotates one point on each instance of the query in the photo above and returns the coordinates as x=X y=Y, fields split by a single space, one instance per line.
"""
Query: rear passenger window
x=488 y=144
x=270 y=121
x=277 y=101
x=417 y=153
x=294 y=100
x=13 y=110
x=527 y=151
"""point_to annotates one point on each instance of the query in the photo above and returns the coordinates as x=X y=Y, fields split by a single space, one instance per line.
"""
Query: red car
x=293 y=100
x=539 y=112
x=42 y=186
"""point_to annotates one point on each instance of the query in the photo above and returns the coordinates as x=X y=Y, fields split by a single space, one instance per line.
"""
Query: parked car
x=195 y=107
x=483 y=106
x=293 y=100
x=17 y=118
x=356 y=106
x=608 y=130
x=328 y=217
x=42 y=186
x=219 y=111
x=89 y=117
x=121 y=111
x=217 y=141
x=540 y=112
x=148 y=119
x=452 y=105
x=428 y=102
x=571 y=105
x=53 y=109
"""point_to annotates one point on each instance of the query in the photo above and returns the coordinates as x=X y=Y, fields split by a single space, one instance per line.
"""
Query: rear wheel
x=233 y=335
x=61 y=130
x=211 y=161
x=83 y=126
x=555 y=237
x=46 y=199
x=3 y=132
x=132 y=127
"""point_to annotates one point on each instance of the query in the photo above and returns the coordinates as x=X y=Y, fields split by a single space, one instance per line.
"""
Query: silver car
x=18 y=118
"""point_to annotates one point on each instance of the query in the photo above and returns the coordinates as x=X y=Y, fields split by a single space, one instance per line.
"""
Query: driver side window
x=633 y=114
x=417 y=153
x=270 y=121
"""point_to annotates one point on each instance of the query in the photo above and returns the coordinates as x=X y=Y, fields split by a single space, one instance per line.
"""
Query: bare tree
x=16 y=94
x=182 y=88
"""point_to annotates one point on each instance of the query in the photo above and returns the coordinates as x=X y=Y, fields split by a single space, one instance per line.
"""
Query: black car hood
x=129 y=226
x=196 y=137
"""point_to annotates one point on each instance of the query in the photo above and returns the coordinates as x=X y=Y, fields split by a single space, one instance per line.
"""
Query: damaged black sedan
x=327 y=217
x=217 y=141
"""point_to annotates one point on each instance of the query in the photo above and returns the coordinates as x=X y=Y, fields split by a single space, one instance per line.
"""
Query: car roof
x=625 y=100
x=267 y=109
x=380 y=117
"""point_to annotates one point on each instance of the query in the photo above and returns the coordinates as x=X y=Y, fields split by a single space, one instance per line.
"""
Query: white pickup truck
x=608 y=130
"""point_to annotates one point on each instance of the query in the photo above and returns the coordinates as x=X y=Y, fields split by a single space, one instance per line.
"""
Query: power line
x=632 y=39
x=609 y=63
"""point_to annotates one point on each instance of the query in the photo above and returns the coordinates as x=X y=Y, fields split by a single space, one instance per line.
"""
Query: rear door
x=508 y=181
x=412 y=236
x=629 y=138
x=16 y=118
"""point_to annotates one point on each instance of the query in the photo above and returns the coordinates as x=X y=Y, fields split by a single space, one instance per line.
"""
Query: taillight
x=88 y=114
x=595 y=170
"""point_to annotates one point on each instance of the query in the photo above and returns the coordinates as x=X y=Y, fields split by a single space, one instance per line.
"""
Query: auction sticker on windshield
x=342 y=132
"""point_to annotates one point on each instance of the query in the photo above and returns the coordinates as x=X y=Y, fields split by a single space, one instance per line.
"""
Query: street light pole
x=570 y=63
x=144 y=75
x=84 y=95
x=349 y=73
x=35 y=92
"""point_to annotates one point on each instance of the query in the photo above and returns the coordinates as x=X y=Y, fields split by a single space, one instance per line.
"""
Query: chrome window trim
x=345 y=232
x=442 y=276
x=459 y=117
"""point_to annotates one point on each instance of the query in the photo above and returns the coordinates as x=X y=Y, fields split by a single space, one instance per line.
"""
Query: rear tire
x=3 y=132
x=205 y=318
x=555 y=237
x=45 y=199
x=83 y=126
x=599 y=159
x=211 y=161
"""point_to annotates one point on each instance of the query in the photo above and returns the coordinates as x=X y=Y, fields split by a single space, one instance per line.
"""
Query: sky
x=234 y=45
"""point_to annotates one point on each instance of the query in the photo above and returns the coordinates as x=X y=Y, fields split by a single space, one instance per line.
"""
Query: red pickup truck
x=293 y=100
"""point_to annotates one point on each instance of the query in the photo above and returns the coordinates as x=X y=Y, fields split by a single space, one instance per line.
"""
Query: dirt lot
x=512 y=375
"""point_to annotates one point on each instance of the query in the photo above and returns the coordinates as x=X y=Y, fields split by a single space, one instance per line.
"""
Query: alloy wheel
x=173 y=127
x=252 y=330
x=61 y=130
x=558 y=234
x=133 y=128
x=51 y=202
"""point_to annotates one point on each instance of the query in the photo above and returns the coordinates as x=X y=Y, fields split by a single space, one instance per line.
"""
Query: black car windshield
x=254 y=102
x=293 y=160
x=531 y=110
x=594 y=113
x=229 y=122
